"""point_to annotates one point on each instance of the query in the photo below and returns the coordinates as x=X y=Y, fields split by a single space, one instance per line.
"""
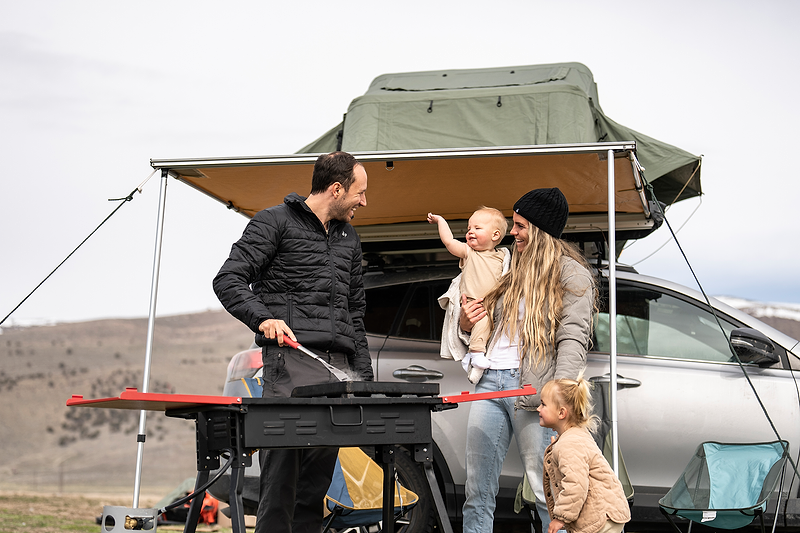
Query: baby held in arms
x=481 y=266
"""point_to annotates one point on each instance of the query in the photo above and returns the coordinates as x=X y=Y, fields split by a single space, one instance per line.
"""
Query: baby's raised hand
x=433 y=219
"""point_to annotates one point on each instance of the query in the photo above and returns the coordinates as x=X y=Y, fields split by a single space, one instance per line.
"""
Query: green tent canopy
x=509 y=106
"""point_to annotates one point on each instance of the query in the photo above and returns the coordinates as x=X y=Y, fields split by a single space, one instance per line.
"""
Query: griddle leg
x=441 y=510
x=197 y=503
x=384 y=455
x=235 y=498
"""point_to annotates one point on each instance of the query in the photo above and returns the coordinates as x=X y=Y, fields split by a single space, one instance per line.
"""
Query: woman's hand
x=471 y=312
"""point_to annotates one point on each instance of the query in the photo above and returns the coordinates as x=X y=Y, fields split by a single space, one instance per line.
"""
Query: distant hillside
x=781 y=316
x=46 y=444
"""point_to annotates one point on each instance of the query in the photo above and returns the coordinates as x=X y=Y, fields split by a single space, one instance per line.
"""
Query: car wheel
x=411 y=474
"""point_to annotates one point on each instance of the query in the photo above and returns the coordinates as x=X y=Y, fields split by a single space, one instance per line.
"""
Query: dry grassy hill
x=47 y=445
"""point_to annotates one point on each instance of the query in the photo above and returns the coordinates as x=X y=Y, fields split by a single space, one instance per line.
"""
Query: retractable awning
x=404 y=186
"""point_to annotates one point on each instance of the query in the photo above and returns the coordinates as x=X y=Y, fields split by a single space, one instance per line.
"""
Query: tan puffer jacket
x=580 y=486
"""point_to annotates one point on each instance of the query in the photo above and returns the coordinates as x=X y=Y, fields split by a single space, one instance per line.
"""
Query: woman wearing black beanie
x=541 y=318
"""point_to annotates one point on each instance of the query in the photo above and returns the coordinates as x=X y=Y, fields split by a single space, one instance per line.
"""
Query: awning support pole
x=140 y=438
x=612 y=307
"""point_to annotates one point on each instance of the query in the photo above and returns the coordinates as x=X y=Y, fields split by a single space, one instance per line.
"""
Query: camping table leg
x=235 y=499
x=441 y=510
x=242 y=460
x=384 y=455
x=197 y=504
x=218 y=430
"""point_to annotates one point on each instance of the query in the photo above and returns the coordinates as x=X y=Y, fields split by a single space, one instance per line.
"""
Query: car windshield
x=244 y=364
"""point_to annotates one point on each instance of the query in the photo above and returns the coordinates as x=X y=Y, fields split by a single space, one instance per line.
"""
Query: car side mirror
x=753 y=347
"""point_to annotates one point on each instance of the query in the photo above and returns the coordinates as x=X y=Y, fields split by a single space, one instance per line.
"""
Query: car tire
x=411 y=474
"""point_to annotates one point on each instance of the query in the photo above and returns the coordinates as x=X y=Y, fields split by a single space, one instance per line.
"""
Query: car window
x=382 y=306
x=416 y=315
x=423 y=318
x=654 y=323
x=415 y=322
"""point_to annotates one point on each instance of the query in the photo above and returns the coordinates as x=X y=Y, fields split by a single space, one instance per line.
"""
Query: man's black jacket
x=287 y=267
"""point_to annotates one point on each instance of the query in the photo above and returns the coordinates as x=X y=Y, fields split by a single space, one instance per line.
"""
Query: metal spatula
x=341 y=376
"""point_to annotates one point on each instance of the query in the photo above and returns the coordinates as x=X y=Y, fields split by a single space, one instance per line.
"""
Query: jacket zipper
x=333 y=289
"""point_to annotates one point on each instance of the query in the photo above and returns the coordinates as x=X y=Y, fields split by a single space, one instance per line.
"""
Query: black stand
x=259 y=423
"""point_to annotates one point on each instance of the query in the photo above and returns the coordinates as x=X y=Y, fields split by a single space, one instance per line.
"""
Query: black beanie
x=547 y=209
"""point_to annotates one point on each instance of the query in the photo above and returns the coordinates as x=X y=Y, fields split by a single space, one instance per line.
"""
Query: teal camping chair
x=727 y=485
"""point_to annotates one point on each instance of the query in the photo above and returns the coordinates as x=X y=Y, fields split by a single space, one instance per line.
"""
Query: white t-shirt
x=505 y=353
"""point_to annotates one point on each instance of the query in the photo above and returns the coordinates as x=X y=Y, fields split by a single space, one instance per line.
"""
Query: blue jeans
x=489 y=430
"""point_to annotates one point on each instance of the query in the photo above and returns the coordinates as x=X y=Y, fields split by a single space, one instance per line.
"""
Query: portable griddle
x=342 y=414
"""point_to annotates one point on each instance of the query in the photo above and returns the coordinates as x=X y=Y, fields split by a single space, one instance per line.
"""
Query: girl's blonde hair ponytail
x=576 y=396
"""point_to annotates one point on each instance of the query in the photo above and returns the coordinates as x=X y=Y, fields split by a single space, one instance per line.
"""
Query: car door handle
x=622 y=381
x=416 y=373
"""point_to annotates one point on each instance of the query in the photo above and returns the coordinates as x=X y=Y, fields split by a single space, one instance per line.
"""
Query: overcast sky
x=90 y=91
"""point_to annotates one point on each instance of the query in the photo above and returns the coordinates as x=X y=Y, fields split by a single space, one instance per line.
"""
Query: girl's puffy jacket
x=580 y=486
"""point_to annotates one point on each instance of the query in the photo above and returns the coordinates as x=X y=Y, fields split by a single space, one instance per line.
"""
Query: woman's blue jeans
x=489 y=430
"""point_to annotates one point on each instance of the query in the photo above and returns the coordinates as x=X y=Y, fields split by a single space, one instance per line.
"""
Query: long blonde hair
x=535 y=278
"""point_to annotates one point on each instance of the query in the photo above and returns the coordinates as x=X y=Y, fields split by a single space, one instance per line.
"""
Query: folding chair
x=355 y=497
x=727 y=485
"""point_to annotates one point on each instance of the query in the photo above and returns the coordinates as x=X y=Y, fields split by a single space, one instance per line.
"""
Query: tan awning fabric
x=405 y=186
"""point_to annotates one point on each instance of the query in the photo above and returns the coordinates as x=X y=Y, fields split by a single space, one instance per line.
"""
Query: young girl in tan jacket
x=583 y=494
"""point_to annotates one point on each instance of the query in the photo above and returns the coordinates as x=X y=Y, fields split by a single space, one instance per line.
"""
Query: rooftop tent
x=511 y=106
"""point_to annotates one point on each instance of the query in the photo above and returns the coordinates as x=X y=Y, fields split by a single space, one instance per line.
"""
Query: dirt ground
x=55 y=513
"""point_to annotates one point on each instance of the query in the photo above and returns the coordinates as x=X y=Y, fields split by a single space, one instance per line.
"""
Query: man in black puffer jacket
x=296 y=271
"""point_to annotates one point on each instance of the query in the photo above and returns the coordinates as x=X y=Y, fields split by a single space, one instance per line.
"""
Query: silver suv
x=678 y=382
